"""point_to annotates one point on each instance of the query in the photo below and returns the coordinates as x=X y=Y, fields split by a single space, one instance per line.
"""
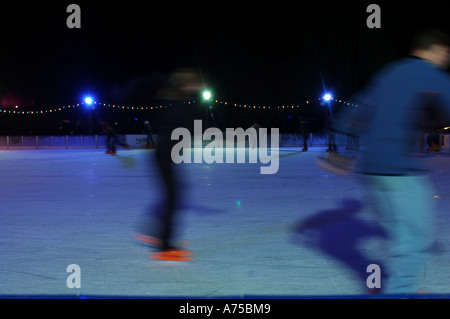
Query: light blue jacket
x=392 y=107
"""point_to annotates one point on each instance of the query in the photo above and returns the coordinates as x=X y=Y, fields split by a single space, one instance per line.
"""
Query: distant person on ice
x=331 y=134
x=148 y=132
x=304 y=131
x=390 y=111
x=111 y=138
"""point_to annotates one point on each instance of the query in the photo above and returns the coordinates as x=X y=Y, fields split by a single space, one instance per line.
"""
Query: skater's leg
x=170 y=205
x=120 y=143
x=152 y=142
x=405 y=204
x=113 y=144
x=108 y=144
x=171 y=190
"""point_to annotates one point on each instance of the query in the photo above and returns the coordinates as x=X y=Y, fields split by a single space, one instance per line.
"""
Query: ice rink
x=64 y=207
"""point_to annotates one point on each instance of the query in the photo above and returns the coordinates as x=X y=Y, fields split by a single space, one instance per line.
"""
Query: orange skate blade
x=173 y=255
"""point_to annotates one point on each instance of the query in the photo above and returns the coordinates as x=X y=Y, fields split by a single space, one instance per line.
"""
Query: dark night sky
x=259 y=53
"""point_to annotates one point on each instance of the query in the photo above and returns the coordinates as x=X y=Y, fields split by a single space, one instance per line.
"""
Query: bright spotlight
x=88 y=100
x=327 y=97
x=206 y=95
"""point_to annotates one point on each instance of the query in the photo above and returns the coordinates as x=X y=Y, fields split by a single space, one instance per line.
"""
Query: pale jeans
x=406 y=206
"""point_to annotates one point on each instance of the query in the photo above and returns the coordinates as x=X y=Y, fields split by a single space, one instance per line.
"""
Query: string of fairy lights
x=17 y=110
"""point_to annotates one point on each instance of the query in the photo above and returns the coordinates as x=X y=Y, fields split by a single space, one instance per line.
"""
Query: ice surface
x=298 y=232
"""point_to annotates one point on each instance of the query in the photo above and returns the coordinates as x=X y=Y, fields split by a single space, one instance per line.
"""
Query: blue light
x=88 y=100
x=327 y=97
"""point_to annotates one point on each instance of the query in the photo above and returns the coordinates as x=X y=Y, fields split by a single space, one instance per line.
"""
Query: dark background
x=278 y=53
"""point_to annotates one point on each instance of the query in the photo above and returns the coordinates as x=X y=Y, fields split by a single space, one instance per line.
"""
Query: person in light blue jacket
x=389 y=111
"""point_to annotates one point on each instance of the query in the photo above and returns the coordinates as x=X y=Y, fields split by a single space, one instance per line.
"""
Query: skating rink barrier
x=140 y=141
x=43 y=142
x=67 y=141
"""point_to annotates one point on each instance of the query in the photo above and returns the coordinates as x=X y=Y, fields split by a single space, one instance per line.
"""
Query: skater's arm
x=443 y=98
x=354 y=119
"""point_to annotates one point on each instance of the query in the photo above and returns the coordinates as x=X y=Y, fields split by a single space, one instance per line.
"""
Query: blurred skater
x=254 y=142
x=396 y=179
x=159 y=228
x=304 y=131
x=433 y=141
x=331 y=134
x=111 y=138
x=148 y=132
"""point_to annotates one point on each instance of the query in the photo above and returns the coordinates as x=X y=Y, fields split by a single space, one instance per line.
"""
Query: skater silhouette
x=111 y=138
x=390 y=111
x=160 y=227
x=148 y=132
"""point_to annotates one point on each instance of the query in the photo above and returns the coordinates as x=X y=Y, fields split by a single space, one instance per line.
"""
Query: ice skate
x=172 y=254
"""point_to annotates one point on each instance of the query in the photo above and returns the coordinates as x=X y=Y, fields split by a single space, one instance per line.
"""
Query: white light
x=206 y=95
x=327 y=97
x=88 y=100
